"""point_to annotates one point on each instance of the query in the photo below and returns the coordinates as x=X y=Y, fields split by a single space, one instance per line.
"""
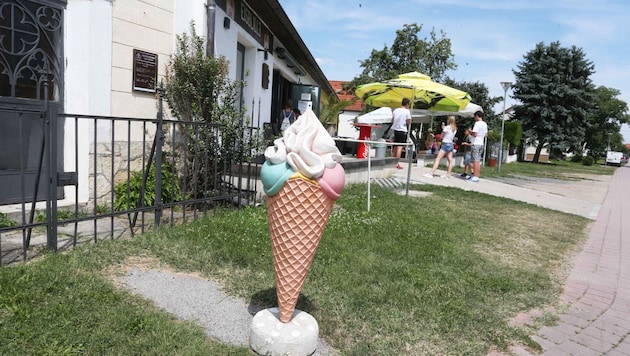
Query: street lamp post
x=506 y=86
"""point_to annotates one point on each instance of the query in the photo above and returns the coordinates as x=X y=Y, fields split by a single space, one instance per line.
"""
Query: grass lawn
x=554 y=169
x=443 y=274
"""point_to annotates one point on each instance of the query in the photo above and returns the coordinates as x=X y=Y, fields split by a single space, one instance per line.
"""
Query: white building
x=99 y=56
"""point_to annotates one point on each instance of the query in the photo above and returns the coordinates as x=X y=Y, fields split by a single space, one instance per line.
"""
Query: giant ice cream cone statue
x=302 y=178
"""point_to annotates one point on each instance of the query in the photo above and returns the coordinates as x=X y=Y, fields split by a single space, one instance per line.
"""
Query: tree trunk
x=538 y=150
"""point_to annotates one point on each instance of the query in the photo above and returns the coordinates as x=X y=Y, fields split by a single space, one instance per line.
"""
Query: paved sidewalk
x=597 y=291
x=582 y=198
x=598 y=288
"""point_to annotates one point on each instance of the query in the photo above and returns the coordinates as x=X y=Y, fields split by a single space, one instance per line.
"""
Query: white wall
x=147 y=26
x=88 y=56
x=87 y=81
x=345 y=127
x=100 y=36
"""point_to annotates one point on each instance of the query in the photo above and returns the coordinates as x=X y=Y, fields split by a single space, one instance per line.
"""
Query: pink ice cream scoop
x=332 y=181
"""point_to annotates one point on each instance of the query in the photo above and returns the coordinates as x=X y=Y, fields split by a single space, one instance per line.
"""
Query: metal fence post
x=158 y=157
x=51 y=172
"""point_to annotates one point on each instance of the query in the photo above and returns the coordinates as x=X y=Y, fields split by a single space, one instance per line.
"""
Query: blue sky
x=488 y=38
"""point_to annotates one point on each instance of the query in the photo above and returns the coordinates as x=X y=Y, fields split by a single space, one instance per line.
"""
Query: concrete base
x=269 y=336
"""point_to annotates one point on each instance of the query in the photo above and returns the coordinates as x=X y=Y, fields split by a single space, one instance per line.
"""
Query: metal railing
x=123 y=176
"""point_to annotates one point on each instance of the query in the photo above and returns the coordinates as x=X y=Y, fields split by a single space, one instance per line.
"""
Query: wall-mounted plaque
x=145 y=70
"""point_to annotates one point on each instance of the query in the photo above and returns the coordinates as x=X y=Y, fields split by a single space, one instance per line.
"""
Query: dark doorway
x=31 y=87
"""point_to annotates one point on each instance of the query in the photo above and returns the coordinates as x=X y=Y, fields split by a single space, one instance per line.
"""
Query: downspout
x=210 y=22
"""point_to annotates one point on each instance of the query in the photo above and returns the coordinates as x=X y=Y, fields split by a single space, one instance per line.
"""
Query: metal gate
x=108 y=186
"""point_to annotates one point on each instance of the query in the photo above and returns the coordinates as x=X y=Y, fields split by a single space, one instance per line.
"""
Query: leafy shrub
x=40 y=215
x=577 y=158
x=216 y=133
x=6 y=221
x=588 y=161
x=128 y=193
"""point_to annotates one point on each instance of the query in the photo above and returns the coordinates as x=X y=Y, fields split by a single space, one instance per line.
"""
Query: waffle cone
x=297 y=218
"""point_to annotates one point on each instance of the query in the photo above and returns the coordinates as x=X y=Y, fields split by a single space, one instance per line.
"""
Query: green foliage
x=329 y=113
x=554 y=86
x=512 y=132
x=6 y=221
x=605 y=122
x=430 y=55
x=480 y=95
x=577 y=158
x=588 y=160
x=128 y=193
x=494 y=136
x=217 y=133
x=40 y=215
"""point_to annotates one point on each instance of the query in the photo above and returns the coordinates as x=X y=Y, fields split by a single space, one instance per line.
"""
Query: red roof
x=337 y=86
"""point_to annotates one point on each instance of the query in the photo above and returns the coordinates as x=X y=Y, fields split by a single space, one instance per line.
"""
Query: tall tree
x=557 y=95
x=430 y=55
x=605 y=122
x=480 y=95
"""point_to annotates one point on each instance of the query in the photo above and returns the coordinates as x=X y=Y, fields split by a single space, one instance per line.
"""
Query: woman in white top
x=446 y=149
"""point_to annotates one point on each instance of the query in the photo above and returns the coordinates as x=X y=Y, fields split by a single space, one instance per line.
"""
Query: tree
x=329 y=113
x=605 y=122
x=215 y=134
x=431 y=56
x=512 y=133
x=554 y=86
x=479 y=95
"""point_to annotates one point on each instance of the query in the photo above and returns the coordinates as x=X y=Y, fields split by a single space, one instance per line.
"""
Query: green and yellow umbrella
x=419 y=88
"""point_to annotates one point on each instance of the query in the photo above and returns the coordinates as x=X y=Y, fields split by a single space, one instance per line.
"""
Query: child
x=466 y=148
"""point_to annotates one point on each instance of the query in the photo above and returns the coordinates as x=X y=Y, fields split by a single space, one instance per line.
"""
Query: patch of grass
x=56 y=307
x=442 y=275
x=555 y=169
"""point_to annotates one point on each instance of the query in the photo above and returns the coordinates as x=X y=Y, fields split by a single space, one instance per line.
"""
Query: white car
x=614 y=158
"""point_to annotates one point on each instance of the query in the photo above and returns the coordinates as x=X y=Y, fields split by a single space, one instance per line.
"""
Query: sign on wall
x=145 y=71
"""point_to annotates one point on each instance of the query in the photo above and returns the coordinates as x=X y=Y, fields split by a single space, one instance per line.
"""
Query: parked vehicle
x=614 y=158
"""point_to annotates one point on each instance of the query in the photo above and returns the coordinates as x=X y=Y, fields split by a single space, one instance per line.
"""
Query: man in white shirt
x=479 y=133
x=400 y=122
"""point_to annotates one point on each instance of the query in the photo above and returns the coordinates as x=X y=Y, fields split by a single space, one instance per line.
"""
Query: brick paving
x=597 y=291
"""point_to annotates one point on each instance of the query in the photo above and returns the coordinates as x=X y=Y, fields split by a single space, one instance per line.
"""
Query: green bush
x=577 y=157
x=128 y=193
x=588 y=161
x=40 y=215
x=6 y=221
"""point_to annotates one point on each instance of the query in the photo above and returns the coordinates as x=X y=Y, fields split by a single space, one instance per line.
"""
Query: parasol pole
x=369 y=175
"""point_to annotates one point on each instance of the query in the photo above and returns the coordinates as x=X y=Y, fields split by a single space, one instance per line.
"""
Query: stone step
x=388 y=183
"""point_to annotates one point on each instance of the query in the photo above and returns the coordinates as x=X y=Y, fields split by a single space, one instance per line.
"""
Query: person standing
x=479 y=133
x=286 y=116
x=466 y=148
x=400 y=124
x=296 y=114
x=429 y=142
x=446 y=148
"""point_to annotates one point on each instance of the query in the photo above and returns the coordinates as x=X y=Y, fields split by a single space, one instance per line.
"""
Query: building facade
x=106 y=57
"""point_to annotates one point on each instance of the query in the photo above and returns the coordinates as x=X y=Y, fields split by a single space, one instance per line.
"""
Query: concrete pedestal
x=269 y=336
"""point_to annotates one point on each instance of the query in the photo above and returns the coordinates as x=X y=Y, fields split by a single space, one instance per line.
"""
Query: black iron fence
x=112 y=177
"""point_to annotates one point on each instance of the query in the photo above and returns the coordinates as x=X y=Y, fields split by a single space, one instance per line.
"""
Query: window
x=31 y=49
